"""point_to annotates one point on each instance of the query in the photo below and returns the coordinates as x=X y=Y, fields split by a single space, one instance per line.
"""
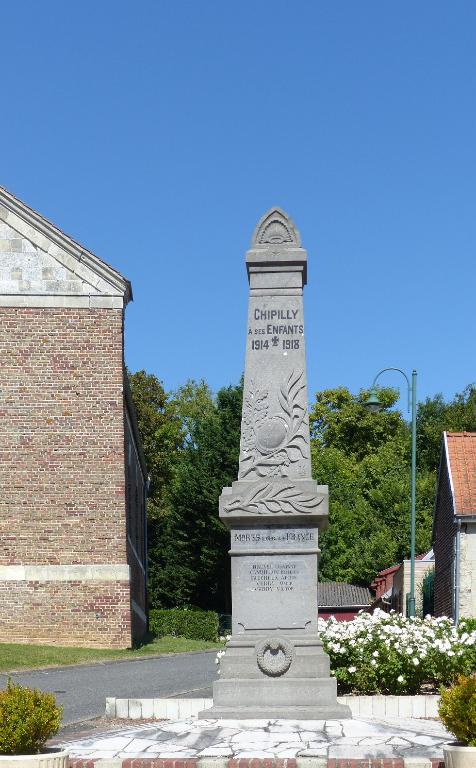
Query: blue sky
x=158 y=133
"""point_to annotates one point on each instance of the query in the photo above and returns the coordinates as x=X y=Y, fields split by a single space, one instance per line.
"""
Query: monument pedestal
x=276 y=677
x=275 y=665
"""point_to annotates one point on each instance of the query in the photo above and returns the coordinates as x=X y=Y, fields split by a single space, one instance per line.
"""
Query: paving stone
x=309 y=734
x=313 y=752
x=352 y=739
x=139 y=745
x=424 y=740
x=364 y=728
x=244 y=724
x=371 y=741
x=398 y=741
x=225 y=751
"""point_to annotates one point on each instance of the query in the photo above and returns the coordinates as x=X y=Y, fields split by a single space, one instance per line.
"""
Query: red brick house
x=382 y=586
x=72 y=473
x=340 y=600
x=454 y=527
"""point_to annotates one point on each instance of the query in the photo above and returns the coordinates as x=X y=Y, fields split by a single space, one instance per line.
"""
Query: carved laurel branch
x=268 y=499
x=292 y=414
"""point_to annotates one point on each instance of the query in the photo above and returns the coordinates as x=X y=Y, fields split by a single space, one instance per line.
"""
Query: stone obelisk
x=275 y=665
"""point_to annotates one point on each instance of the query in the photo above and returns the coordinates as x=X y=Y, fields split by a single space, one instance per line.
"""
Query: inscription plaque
x=274 y=665
x=273 y=537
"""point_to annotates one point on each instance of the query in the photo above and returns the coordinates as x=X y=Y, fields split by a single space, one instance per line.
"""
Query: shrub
x=184 y=622
x=28 y=718
x=388 y=653
x=457 y=710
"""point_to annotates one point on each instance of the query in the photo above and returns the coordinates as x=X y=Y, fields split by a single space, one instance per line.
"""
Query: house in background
x=343 y=601
x=454 y=527
x=382 y=586
x=401 y=583
x=72 y=473
x=392 y=585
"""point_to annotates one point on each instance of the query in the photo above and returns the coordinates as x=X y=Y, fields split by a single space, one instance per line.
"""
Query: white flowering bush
x=220 y=653
x=388 y=653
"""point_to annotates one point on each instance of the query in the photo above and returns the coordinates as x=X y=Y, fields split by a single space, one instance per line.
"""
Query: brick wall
x=444 y=532
x=62 y=479
x=75 y=613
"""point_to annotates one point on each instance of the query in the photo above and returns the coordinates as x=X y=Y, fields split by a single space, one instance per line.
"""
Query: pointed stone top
x=275 y=228
x=276 y=247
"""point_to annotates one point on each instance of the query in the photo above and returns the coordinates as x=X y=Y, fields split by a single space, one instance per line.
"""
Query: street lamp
x=374 y=405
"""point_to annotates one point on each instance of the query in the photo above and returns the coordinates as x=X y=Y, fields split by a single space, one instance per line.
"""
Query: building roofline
x=448 y=464
x=49 y=230
x=342 y=607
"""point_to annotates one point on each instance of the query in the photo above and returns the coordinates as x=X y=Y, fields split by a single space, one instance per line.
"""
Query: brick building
x=392 y=585
x=454 y=527
x=72 y=474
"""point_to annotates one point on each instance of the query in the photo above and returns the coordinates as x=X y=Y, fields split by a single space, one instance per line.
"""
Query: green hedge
x=184 y=622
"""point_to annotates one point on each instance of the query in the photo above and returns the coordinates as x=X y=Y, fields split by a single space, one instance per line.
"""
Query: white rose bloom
x=375 y=654
x=416 y=661
x=400 y=678
x=373 y=663
x=352 y=670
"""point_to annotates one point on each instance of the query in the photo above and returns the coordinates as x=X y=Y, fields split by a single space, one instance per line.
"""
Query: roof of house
x=100 y=279
x=460 y=448
x=334 y=594
x=386 y=571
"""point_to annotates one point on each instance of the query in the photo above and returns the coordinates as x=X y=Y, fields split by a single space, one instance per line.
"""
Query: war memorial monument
x=275 y=665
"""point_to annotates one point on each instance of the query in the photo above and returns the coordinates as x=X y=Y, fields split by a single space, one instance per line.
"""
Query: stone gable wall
x=62 y=484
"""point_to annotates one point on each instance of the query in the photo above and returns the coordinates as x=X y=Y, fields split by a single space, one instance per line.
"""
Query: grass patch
x=15 y=656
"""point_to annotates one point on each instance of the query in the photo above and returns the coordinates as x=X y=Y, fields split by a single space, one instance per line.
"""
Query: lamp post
x=374 y=405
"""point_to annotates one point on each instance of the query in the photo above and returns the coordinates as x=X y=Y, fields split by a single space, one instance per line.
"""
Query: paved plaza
x=192 y=738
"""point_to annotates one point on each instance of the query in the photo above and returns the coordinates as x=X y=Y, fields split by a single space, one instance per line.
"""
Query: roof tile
x=334 y=594
x=461 y=456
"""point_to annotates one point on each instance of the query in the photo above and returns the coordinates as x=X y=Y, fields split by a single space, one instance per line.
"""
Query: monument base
x=338 y=712
x=276 y=677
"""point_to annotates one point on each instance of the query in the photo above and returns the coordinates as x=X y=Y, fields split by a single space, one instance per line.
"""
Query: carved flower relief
x=271 y=443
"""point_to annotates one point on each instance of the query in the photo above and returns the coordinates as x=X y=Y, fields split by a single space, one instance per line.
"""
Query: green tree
x=162 y=433
x=435 y=416
x=192 y=565
x=365 y=460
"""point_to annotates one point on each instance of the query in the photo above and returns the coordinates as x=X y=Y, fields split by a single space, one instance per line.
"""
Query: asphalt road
x=82 y=689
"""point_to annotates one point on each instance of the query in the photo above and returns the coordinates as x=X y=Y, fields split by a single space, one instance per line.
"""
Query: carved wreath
x=271 y=443
x=268 y=499
x=274 y=656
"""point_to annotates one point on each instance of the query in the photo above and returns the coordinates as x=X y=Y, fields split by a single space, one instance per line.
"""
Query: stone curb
x=417 y=707
x=225 y=762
